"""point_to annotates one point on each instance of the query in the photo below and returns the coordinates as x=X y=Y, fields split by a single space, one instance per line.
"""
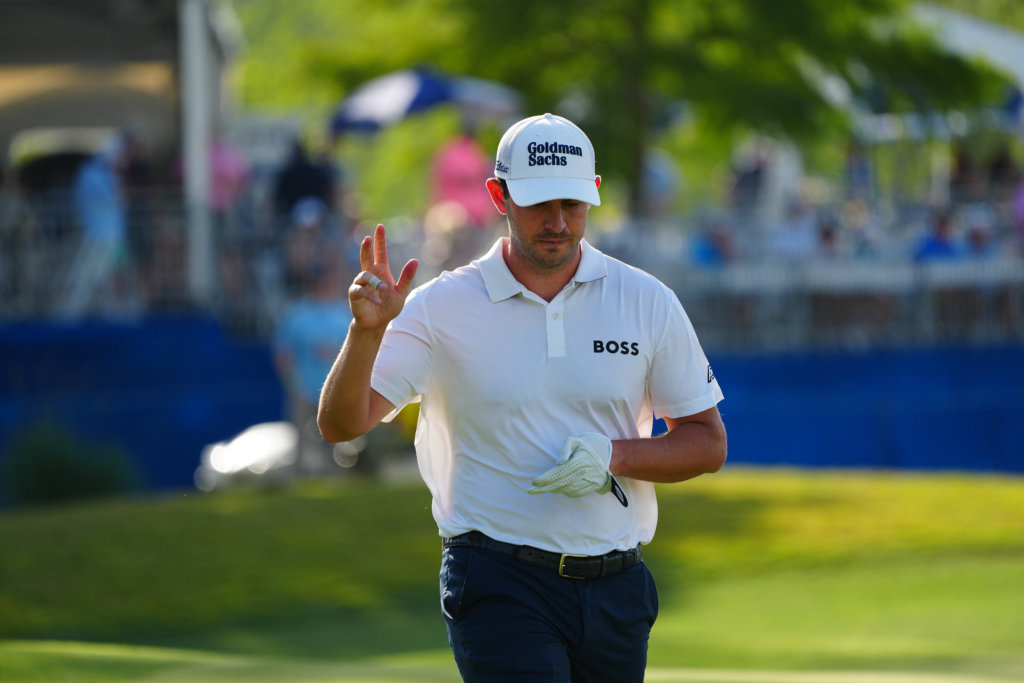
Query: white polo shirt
x=505 y=376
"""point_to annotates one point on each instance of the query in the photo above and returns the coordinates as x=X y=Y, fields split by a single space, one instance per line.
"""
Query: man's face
x=545 y=236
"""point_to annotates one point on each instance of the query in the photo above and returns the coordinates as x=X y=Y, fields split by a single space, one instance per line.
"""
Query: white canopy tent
x=969 y=36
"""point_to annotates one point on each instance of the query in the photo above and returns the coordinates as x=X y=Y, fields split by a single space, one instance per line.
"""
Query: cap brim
x=529 y=191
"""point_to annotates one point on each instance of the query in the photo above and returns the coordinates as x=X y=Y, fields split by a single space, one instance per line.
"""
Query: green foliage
x=396 y=164
x=619 y=67
x=308 y=55
x=741 y=64
x=46 y=463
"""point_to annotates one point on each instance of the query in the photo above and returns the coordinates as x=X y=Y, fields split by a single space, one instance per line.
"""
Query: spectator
x=230 y=178
x=746 y=187
x=830 y=237
x=460 y=169
x=864 y=229
x=795 y=238
x=1017 y=212
x=858 y=173
x=305 y=345
x=980 y=243
x=101 y=212
x=311 y=241
x=137 y=181
x=968 y=181
x=302 y=177
x=662 y=181
x=1003 y=173
x=164 y=267
x=714 y=246
x=939 y=244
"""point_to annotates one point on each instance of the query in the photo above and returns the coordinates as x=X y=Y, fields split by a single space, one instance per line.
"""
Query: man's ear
x=497 y=196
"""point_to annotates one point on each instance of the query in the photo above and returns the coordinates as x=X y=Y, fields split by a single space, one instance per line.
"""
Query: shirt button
x=556 y=316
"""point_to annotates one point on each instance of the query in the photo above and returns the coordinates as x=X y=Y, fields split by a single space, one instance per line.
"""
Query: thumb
x=569 y=446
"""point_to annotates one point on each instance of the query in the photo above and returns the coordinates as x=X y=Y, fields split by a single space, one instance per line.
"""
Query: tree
x=619 y=67
x=740 y=64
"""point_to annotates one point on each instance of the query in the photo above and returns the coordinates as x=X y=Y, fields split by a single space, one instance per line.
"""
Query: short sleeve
x=681 y=381
x=402 y=369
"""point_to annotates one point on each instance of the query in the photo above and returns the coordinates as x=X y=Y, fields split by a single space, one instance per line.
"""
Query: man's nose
x=554 y=217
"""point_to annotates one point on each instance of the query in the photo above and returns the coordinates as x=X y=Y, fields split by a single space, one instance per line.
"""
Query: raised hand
x=375 y=297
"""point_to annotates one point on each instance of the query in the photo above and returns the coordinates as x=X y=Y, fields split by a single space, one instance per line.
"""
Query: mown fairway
x=765 y=575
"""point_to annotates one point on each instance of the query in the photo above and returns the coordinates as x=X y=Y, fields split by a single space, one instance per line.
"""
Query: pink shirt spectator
x=461 y=170
x=230 y=174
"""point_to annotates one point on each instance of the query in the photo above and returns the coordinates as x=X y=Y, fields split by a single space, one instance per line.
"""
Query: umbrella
x=477 y=97
x=388 y=99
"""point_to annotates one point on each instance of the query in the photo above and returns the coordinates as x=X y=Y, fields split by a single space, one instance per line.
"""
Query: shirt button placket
x=555 y=330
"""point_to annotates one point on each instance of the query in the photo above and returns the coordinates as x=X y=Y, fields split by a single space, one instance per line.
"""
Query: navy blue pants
x=509 y=621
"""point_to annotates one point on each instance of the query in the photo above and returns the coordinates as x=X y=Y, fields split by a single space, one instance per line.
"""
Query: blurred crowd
x=979 y=216
x=103 y=234
x=775 y=266
x=790 y=262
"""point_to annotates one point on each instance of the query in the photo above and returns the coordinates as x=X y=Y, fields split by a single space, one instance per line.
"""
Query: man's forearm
x=688 y=450
x=345 y=400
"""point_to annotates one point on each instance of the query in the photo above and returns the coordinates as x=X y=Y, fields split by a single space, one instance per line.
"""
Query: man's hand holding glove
x=582 y=469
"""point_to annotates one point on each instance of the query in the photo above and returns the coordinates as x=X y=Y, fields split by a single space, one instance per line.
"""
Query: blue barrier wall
x=931 y=409
x=160 y=389
x=164 y=388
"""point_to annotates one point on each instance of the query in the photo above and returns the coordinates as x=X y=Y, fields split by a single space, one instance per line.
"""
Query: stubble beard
x=538 y=259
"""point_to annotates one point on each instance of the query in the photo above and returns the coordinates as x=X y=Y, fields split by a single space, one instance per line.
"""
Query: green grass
x=764 y=575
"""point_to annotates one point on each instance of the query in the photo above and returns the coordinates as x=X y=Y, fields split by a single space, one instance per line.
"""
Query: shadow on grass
x=685 y=519
x=323 y=571
x=315 y=633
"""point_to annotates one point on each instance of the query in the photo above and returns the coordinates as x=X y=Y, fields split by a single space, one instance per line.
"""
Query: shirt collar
x=501 y=284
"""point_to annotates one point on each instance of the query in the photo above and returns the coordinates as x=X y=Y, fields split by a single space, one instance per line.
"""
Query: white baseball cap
x=547 y=157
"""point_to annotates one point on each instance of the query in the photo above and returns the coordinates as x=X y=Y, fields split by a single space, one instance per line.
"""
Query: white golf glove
x=582 y=469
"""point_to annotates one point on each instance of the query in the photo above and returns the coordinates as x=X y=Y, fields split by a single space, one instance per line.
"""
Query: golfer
x=540 y=368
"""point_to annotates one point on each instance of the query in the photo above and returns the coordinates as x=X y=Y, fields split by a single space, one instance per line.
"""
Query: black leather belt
x=564 y=564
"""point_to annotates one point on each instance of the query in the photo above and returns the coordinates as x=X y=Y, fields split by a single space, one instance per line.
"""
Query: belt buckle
x=561 y=566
